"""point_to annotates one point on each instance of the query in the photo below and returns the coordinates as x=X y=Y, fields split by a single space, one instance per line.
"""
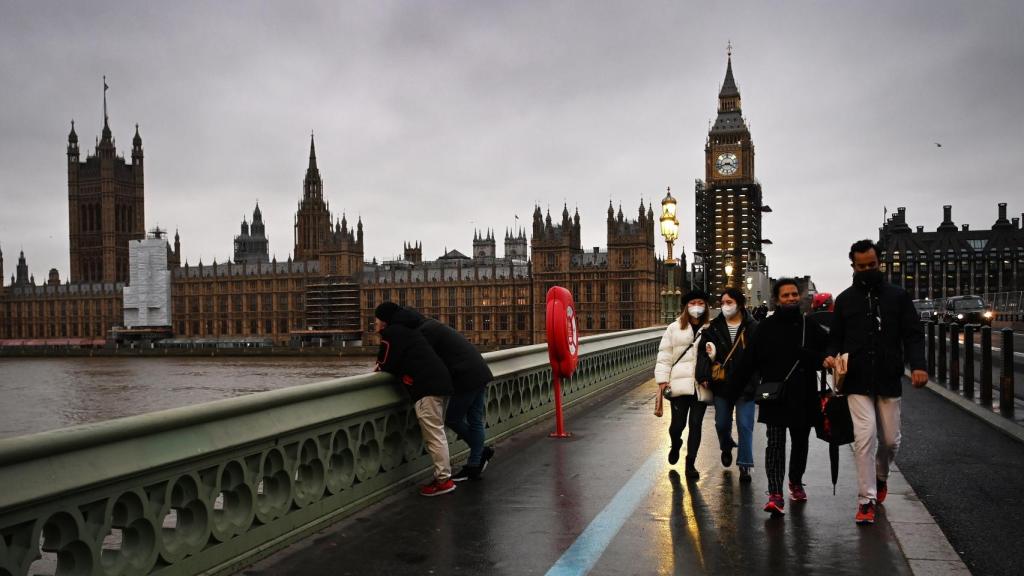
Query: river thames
x=38 y=394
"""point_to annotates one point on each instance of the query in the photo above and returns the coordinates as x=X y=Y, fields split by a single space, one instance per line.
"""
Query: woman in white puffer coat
x=676 y=375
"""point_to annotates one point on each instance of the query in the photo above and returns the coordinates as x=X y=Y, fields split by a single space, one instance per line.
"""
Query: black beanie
x=693 y=295
x=385 y=311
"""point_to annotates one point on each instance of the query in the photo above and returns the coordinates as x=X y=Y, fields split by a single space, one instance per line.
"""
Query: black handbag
x=775 y=390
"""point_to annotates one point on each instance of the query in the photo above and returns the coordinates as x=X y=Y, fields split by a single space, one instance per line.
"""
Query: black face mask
x=868 y=278
x=788 y=310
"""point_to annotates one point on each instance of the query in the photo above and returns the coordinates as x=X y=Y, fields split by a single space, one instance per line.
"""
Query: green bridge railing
x=213 y=487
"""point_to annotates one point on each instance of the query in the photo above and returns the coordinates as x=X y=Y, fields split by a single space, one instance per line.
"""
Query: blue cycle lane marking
x=584 y=553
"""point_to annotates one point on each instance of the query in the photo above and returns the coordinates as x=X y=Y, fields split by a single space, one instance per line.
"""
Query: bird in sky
x=938 y=145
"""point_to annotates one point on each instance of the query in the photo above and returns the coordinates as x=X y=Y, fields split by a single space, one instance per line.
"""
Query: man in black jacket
x=470 y=375
x=876 y=325
x=405 y=354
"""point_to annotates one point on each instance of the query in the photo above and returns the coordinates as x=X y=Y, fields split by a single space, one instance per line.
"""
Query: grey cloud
x=433 y=118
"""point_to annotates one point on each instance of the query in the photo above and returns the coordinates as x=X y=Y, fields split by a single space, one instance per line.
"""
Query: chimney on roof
x=920 y=228
x=1002 y=210
x=965 y=227
x=947 y=213
x=1016 y=223
x=597 y=249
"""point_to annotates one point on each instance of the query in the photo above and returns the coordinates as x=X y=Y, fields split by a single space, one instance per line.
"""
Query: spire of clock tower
x=729 y=89
x=730 y=114
x=728 y=201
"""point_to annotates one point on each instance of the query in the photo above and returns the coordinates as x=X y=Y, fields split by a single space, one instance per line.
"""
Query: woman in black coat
x=731 y=333
x=787 y=346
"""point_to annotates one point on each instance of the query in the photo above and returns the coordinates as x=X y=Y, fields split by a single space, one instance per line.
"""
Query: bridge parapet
x=212 y=487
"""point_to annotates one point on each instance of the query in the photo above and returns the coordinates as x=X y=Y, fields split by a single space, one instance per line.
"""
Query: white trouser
x=430 y=413
x=874 y=418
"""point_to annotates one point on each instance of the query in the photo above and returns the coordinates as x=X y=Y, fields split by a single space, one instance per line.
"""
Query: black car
x=968 y=310
x=926 y=309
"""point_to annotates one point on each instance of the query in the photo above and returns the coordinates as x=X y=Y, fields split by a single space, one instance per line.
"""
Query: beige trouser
x=875 y=418
x=430 y=413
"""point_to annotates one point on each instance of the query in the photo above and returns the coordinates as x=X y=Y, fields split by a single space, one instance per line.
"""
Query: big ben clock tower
x=728 y=200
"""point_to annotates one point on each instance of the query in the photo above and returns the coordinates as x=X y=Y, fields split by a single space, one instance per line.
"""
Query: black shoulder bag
x=774 y=390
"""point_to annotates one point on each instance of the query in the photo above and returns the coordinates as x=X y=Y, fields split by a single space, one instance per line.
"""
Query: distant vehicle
x=926 y=309
x=822 y=302
x=967 y=310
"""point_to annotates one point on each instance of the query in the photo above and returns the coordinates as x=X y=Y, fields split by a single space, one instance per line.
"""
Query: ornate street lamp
x=670 y=231
x=728 y=273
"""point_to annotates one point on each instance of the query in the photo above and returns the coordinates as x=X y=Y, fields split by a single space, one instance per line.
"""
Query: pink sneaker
x=437 y=487
x=776 y=505
x=797 y=493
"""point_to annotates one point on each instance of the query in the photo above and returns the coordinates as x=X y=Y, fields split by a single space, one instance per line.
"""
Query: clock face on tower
x=726 y=164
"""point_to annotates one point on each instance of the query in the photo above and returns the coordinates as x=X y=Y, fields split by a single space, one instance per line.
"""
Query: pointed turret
x=730 y=115
x=312 y=185
x=22 y=271
x=73 y=144
x=729 y=88
x=312 y=153
x=137 y=147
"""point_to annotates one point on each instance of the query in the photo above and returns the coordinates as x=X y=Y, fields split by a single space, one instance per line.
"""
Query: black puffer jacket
x=877 y=355
x=718 y=332
x=773 y=351
x=467 y=367
x=405 y=353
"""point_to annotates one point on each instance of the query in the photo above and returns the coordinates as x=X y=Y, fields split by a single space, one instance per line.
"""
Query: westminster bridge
x=318 y=479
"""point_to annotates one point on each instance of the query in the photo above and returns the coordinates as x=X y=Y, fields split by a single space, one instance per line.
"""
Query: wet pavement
x=970 y=477
x=606 y=501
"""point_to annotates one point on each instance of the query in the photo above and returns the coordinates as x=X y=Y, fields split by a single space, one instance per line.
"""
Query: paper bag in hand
x=839 y=370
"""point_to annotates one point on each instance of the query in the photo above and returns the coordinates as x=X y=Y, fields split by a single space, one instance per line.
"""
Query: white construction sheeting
x=147 y=298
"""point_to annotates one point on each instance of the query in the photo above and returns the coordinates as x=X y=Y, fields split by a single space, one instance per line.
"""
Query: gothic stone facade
x=953 y=261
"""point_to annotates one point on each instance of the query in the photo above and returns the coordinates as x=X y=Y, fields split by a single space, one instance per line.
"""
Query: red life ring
x=563 y=337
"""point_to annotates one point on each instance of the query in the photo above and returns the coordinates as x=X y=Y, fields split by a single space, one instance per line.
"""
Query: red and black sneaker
x=776 y=505
x=881 y=490
x=797 y=492
x=866 y=513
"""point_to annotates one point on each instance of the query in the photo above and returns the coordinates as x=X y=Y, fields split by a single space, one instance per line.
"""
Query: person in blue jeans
x=470 y=374
x=726 y=340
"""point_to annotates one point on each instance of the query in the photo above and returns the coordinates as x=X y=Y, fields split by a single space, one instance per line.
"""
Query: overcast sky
x=435 y=118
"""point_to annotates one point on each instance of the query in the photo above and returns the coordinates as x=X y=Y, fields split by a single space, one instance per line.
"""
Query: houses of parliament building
x=327 y=291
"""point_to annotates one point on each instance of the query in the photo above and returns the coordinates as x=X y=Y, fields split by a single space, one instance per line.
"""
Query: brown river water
x=38 y=394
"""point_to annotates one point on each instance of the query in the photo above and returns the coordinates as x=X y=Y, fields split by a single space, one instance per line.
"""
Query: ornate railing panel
x=209 y=488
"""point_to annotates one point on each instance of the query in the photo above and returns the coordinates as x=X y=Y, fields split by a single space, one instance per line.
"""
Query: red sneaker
x=437 y=487
x=775 y=505
x=866 y=513
x=797 y=493
x=881 y=490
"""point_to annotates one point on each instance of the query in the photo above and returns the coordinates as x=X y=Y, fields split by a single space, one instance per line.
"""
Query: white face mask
x=729 y=310
x=695 y=311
